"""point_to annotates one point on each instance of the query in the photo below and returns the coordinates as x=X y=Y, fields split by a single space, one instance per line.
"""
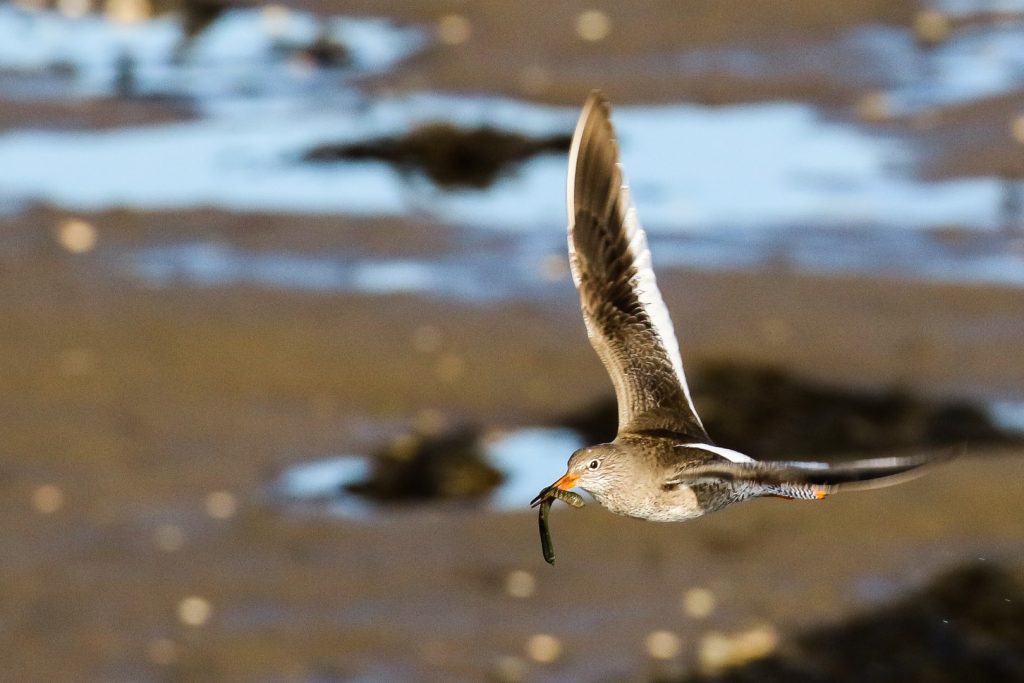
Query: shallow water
x=1008 y=415
x=529 y=458
x=755 y=166
x=766 y=165
x=238 y=58
x=535 y=267
x=474 y=273
x=748 y=186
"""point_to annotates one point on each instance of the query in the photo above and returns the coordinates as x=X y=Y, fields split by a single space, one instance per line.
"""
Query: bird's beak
x=567 y=481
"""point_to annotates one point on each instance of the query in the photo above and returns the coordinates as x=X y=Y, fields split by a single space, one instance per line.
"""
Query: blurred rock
x=450 y=465
x=327 y=52
x=451 y=157
x=198 y=15
x=968 y=625
x=770 y=413
x=324 y=51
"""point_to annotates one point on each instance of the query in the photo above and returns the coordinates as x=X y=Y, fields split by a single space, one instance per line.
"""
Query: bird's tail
x=814 y=481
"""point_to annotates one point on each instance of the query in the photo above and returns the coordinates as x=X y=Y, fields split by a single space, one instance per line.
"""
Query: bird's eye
x=594 y=464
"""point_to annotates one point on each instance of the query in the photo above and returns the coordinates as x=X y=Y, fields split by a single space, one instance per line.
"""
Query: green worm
x=546 y=546
x=569 y=497
x=548 y=497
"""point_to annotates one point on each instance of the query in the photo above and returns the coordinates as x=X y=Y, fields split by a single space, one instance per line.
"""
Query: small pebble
x=520 y=584
x=194 y=611
x=663 y=644
x=76 y=235
x=127 y=11
x=543 y=648
x=719 y=651
x=698 y=603
x=593 y=25
x=47 y=499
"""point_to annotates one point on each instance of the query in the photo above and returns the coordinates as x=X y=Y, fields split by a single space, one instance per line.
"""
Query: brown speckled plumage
x=662 y=465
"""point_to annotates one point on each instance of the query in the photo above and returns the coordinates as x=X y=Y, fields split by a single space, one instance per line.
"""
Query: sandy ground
x=96 y=114
x=534 y=50
x=138 y=403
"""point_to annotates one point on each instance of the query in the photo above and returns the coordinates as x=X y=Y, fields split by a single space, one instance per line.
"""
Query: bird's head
x=596 y=469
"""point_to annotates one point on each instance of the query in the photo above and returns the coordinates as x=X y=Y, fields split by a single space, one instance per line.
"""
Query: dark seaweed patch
x=769 y=413
x=451 y=465
x=968 y=625
x=449 y=156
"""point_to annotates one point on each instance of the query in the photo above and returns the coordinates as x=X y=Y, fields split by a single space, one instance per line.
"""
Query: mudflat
x=138 y=402
x=144 y=423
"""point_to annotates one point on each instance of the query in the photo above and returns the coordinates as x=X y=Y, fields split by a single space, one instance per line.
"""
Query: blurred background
x=288 y=340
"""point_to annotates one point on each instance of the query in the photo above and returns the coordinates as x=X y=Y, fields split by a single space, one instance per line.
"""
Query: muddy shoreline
x=144 y=423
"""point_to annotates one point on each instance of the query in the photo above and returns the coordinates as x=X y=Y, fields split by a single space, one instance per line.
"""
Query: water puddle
x=473 y=274
x=1008 y=415
x=534 y=267
x=323 y=482
x=971 y=257
x=789 y=166
x=245 y=54
x=529 y=458
x=729 y=187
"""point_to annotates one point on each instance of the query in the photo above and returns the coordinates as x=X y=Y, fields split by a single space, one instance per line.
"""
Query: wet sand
x=527 y=49
x=91 y=114
x=139 y=402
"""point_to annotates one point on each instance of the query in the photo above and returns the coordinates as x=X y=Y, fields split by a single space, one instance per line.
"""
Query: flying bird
x=662 y=465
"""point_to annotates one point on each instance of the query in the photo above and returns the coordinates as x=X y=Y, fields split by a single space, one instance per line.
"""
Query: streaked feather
x=626 y=318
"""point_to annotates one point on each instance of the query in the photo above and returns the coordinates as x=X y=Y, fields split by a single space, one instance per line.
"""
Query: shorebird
x=662 y=465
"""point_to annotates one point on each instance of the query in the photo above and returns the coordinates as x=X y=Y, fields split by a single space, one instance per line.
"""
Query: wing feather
x=808 y=479
x=626 y=318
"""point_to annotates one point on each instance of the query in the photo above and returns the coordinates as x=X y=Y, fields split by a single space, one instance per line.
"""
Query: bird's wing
x=626 y=319
x=811 y=479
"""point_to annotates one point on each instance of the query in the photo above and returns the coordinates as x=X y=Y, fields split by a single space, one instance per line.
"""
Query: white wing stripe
x=727 y=453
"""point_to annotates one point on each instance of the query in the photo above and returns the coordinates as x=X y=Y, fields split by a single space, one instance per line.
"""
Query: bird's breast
x=676 y=505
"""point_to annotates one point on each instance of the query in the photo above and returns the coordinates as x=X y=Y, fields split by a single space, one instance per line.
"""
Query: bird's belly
x=677 y=505
x=678 y=513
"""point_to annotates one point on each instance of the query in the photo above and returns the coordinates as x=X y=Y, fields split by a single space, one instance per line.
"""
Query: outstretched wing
x=810 y=479
x=626 y=319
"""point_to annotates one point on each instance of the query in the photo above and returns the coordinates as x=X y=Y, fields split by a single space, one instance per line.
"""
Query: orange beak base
x=565 y=483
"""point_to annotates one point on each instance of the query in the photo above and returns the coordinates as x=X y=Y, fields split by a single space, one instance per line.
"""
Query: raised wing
x=811 y=479
x=626 y=319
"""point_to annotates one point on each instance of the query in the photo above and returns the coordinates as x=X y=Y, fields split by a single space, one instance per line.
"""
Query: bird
x=662 y=465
